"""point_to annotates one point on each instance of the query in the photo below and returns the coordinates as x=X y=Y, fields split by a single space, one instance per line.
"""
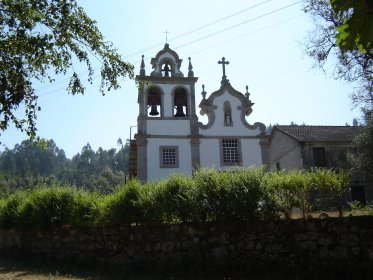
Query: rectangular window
x=230 y=152
x=319 y=157
x=169 y=157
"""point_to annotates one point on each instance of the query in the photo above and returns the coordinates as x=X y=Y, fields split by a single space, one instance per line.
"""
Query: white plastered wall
x=251 y=152
x=168 y=127
x=210 y=153
x=218 y=128
x=155 y=172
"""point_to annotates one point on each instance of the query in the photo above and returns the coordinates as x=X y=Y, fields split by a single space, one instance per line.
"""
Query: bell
x=179 y=111
x=153 y=111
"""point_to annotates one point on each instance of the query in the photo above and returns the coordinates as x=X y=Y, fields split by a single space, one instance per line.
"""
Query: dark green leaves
x=356 y=32
x=41 y=37
x=343 y=39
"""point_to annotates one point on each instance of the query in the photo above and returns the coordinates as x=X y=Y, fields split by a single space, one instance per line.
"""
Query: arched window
x=166 y=69
x=180 y=103
x=227 y=114
x=154 y=102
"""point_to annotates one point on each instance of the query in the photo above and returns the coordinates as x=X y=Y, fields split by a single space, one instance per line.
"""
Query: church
x=170 y=139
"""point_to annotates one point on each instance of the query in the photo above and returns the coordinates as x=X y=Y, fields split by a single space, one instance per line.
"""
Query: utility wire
x=199 y=28
x=246 y=34
x=212 y=34
x=197 y=51
x=173 y=39
x=236 y=25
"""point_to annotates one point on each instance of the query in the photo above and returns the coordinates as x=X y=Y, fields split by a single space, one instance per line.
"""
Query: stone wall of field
x=317 y=244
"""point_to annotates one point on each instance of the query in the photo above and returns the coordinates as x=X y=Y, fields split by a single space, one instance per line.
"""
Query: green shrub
x=47 y=207
x=333 y=185
x=246 y=198
x=211 y=196
x=282 y=187
x=301 y=182
x=124 y=206
x=86 y=209
x=231 y=195
x=151 y=206
x=9 y=209
x=175 y=198
x=358 y=208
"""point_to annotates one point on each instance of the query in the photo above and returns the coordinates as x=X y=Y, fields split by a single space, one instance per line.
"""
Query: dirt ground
x=11 y=269
x=29 y=275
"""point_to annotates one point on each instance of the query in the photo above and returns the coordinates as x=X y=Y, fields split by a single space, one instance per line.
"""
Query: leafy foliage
x=175 y=196
x=231 y=195
x=47 y=207
x=363 y=157
x=333 y=184
x=208 y=195
x=43 y=38
x=343 y=29
x=123 y=207
x=9 y=209
x=356 y=31
x=282 y=188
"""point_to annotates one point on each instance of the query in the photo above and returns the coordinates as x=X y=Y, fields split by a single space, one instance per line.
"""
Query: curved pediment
x=216 y=108
x=166 y=63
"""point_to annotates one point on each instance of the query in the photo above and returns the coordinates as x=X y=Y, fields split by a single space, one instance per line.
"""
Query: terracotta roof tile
x=320 y=133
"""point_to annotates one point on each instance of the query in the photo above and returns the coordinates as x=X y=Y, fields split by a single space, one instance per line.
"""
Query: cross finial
x=142 y=66
x=166 y=32
x=203 y=92
x=247 y=94
x=224 y=78
x=190 y=68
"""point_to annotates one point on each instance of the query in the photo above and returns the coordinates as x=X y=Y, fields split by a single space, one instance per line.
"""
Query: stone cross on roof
x=166 y=32
x=224 y=78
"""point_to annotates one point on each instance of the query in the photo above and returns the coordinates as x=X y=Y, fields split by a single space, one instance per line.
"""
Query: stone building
x=170 y=139
x=303 y=146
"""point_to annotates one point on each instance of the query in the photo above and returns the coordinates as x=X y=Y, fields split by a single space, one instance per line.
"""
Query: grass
x=26 y=269
x=12 y=268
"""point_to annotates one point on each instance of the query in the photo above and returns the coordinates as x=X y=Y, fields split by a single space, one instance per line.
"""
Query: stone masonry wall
x=284 y=150
x=330 y=243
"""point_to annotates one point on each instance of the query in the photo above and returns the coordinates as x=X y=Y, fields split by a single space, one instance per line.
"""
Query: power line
x=179 y=36
x=173 y=39
x=199 y=28
x=209 y=35
x=236 y=25
x=209 y=47
x=246 y=34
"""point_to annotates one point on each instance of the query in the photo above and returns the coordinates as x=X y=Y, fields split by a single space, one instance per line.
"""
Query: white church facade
x=170 y=139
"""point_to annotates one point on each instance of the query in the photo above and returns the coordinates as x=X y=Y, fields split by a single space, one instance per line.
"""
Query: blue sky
x=262 y=40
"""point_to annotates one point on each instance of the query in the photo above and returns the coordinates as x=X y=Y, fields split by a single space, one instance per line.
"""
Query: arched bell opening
x=154 y=102
x=180 y=103
x=166 y=69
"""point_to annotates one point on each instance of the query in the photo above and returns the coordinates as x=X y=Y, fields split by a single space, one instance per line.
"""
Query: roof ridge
x=292 y=125
x=320 y=132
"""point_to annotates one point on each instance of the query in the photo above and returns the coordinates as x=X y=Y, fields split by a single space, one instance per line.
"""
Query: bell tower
x=167 y=122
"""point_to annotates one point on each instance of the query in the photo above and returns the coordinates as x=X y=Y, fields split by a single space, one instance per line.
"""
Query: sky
x=261 y=39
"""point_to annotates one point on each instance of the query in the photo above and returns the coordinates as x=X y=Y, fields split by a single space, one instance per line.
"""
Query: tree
x=356 y=31
x=344 y=29
x=355 y=122
x=362 y=158
x=43 y=38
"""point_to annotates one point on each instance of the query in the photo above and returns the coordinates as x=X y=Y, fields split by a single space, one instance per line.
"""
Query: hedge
x=207 y=195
